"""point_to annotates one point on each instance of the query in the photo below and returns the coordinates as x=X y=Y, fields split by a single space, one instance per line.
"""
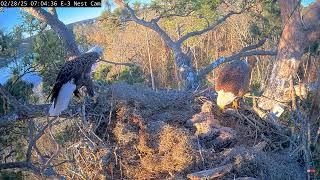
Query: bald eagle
x=233 y=82
x=72 y=76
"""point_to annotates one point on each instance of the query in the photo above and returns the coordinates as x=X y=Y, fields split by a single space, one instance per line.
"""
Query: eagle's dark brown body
x=234 y=77
x=77 y=70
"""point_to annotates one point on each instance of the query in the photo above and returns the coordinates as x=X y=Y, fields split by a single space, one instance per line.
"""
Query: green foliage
x=9 y=43
x=19 y=89
x=184 y=7
x=131 y=75
x=6 y=175
x=101 y=72
x=314 y=48
x=31 y=25
x=111 y=21
x=268 y=21
x=48 y=56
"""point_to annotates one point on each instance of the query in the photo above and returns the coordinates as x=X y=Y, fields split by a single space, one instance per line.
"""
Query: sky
x=11 y=17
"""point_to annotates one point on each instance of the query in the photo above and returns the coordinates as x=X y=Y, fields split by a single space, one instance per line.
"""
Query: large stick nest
x=133 y=132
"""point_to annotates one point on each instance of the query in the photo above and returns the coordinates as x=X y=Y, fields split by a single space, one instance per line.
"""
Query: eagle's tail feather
x=61 y=102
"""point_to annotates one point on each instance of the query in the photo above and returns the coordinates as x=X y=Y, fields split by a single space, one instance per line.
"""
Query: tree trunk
x=187 y=72
x=150 y=62
x=59 y=27
x=298 y=33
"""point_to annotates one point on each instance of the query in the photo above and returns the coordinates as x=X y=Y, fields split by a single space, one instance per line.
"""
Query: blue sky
x=11 y=16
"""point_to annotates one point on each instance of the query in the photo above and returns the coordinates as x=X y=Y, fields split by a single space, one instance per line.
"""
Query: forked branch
x=244 y=52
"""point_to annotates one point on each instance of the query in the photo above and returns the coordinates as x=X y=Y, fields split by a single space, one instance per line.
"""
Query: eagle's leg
x=90 y=88
x=235 y=104
x=77 y=93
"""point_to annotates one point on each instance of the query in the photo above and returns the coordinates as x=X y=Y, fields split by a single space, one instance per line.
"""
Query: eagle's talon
x=235 y=104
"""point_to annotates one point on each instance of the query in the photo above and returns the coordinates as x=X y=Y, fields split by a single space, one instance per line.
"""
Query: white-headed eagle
x=233 y=82
x=72 y=76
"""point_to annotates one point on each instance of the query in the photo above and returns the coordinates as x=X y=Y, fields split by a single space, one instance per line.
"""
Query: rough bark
x=298 y=33
x=59 y=27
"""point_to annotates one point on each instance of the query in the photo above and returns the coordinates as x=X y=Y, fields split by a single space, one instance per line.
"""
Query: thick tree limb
x=236 y=56
x=298 y=33
x=152 y=25
x=36 y=111
x=311 y=21
x=21 y=165
x=59 y=27
x=13 y=101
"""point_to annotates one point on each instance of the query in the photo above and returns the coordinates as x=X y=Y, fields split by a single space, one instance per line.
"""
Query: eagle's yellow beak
x=224 y=98
x=221 y=108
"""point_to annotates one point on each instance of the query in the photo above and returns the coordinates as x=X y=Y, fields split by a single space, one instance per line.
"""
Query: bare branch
x=34 y=111
x=119 y=63
x=152 y=25
x=254 y=46
x=220 y=61
x=35 y=139
x=157 y=19
x=209 y=28
x=21 y=165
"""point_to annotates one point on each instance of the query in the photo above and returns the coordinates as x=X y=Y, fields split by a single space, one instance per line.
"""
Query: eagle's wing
x=67 y=72
x=75 y=70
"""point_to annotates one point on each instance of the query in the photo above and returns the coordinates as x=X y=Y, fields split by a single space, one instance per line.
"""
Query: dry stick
x=94 y=144
x=57 y=148
x=200 y=151
x=120 y=63
x=293 y=95
x=34 y=140
x=211 y=173
x=28 y=164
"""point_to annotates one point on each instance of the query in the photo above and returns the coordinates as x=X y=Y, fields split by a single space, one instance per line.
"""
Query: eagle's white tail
x=63 y=99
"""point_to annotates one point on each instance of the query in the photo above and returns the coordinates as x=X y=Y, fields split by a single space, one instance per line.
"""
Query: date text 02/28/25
x=50 y=3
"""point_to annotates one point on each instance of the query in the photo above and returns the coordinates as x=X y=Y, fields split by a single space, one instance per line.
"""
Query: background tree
x=191 y=78
x=300 y=30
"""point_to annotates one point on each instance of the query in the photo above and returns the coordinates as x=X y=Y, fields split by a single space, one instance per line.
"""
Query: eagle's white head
x=97 y=49
x=224 y=98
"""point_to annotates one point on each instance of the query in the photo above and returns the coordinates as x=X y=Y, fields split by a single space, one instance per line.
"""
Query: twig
x=120 y=63
x=200 y=151
x=211 y=173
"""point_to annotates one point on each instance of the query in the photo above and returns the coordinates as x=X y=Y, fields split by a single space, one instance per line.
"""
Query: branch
x=59 y=27
x=35 y=111
x=211 y=27
x=28 y=164
x=120 y=63
x=152 y=25
x=212 y=173
x=254 y=46
x=21 y=165
x=33 y=141
x=13 y=101
x=157 y=19
x=222 y=60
